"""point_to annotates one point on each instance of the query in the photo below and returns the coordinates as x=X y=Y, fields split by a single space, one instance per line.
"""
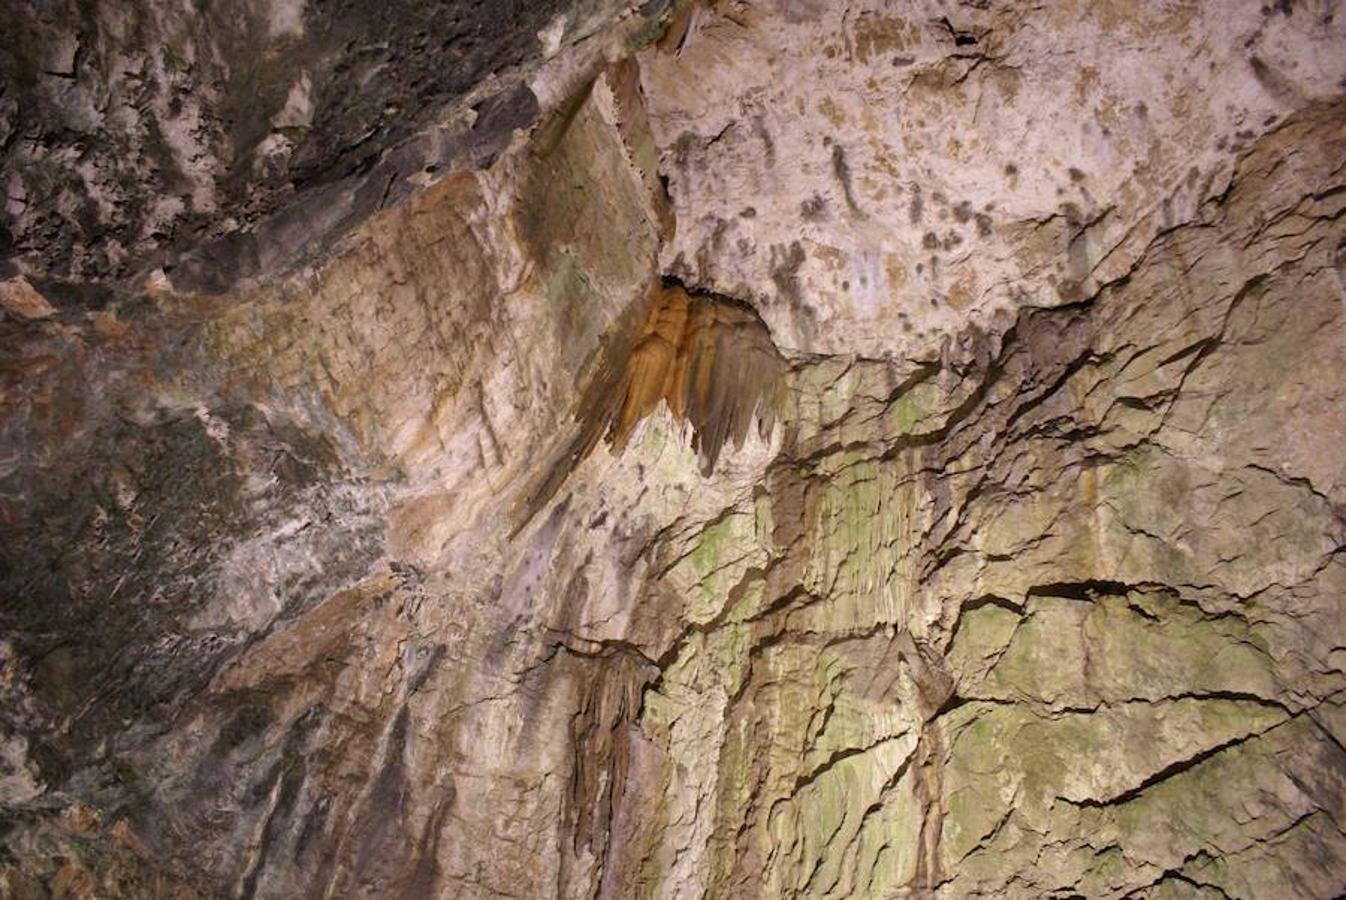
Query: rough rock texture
x=833 y=450
x=157 y=136
x=878 y=176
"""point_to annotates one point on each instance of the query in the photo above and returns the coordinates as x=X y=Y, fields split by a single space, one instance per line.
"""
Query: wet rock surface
x=549 y=532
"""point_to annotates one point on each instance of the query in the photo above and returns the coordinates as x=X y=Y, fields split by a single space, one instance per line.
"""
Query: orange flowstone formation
x=710 y=358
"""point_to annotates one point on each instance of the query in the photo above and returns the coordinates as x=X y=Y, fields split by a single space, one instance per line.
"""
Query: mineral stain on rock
x=970 y=522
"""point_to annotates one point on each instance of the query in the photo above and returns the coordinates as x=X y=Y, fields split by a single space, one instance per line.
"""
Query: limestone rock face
x=738 y=449
x=878 y=176
x=163 y=134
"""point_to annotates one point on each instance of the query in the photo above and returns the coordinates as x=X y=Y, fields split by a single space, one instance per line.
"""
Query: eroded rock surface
x=822 y=450
x=160 y=136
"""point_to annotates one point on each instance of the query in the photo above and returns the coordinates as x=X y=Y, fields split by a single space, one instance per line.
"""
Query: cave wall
x=799 y=450
x=212 y=143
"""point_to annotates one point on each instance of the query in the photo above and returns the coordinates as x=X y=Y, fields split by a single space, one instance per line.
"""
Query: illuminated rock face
x=813 y=450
